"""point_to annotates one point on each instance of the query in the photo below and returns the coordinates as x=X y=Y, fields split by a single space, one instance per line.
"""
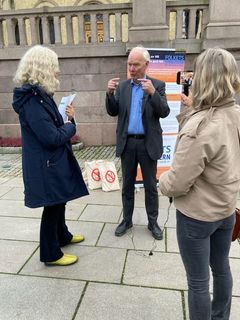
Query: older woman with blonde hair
x=51 y=173
x=204 y=181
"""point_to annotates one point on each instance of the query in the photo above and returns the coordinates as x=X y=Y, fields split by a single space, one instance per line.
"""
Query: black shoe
x=122 y=228
x=156 y=231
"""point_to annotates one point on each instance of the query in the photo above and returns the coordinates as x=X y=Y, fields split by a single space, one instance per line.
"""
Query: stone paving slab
x=101 y=198
x=14 y=182
x=235 y=267
x=4 y=180
x=101 y=213
x=17 y=209
x=4 y=190
x=74 y=210
x=162 y=270
x=13 y=254
x=140 y=217
x=172 y=245
x=138 y=237
x=34 y=298
x=235 y=250
x=28 y=229
x=131 y=285
x=114 y=302
x=95 y=264
x=25 y=229
x=15 y=193
x=90 y=230
x=234 y=308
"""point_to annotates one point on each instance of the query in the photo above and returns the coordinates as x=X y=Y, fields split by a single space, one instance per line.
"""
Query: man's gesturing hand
x=112 y=85
x=147 y=86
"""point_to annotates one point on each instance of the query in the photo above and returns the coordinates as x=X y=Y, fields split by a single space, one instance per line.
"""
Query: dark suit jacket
x=153 y=108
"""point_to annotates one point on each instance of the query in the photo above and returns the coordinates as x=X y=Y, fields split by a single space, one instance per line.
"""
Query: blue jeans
x=203 y=244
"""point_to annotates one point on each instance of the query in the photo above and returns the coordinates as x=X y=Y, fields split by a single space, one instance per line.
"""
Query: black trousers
x=53 y=233
x=135 y=153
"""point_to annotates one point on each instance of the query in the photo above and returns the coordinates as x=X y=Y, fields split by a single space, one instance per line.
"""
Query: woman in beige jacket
x=204 y=181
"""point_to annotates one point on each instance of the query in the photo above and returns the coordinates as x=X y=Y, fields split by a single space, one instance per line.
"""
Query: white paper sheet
x=65 y=101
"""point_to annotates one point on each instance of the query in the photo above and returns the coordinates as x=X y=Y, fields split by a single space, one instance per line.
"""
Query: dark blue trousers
x=53 y=233
x=203 y=244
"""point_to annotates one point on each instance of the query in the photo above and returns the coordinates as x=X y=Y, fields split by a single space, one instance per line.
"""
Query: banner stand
x=164 y=65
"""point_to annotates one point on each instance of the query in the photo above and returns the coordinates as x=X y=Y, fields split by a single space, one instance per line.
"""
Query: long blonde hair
x=216 y=77
x=38 y=66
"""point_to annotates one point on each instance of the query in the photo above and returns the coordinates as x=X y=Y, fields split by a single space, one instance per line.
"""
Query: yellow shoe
x=77 y=238
x=66 y=260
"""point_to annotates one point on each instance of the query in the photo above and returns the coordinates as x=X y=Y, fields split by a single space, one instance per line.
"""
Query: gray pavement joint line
x=31 y=255
x=120 y=217
x=20 y=240
x=133 y=285
x=130 y=234
x=82 y=212
x=165 y=239
x=100 y=233
x=153 y=271
x=19 y=217
x=6 y=193
x=183 y=305
x=80 y=300
x=124 y=267
x=95 y=281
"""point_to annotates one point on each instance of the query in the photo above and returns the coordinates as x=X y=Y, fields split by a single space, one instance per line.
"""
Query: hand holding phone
x=185 y=78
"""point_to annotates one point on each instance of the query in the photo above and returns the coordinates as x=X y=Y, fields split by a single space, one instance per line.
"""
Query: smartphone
x=185 y=78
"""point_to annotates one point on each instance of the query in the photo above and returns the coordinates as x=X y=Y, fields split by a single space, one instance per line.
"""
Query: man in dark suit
x=139 y=103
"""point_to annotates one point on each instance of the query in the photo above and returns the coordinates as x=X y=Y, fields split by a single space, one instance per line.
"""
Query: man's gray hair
x=143 y=50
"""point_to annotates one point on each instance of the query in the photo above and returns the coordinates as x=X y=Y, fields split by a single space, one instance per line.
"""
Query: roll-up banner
x=164 y=65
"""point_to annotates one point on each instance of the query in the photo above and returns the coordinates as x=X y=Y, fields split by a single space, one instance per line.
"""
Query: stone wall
x=87 y=67
x=27 y=4
x=88 y=77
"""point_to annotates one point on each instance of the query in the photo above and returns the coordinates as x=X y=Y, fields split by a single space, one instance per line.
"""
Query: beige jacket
x=205 y=175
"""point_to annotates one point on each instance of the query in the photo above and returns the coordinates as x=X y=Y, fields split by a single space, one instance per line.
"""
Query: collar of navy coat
x=26 y=92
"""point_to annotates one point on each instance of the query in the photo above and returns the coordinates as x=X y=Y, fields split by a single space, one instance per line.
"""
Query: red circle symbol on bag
x=95 y=174
x=110 y=176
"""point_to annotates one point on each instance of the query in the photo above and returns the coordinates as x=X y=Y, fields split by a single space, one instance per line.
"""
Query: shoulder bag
x=236 y=228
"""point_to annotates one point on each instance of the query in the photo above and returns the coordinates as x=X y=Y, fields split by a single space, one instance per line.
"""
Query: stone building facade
x=92 y=40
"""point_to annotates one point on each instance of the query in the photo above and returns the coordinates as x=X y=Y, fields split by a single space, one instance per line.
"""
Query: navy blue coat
x=51 y=173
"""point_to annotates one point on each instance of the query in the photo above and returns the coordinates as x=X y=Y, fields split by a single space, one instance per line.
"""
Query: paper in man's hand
x=65 y=101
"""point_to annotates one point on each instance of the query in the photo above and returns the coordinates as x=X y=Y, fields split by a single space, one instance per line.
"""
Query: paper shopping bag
x=108 y=174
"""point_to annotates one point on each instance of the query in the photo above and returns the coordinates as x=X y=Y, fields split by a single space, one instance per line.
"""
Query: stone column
x=223 y=28
x=45 y=30
x=22 y=33
x=6 y=5
x=148 y=22
x=81 y=35
x=93 y=28
x=57 y=30
x=10 y=32
x=106 y=26
x=69 y=27
x=118 y=27
x=1 y=35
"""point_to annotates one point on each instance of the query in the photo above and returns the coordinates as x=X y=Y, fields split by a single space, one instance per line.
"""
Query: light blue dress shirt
x=135 y=125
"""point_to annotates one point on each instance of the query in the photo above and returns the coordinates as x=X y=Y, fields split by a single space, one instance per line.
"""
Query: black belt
x=136 y=136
